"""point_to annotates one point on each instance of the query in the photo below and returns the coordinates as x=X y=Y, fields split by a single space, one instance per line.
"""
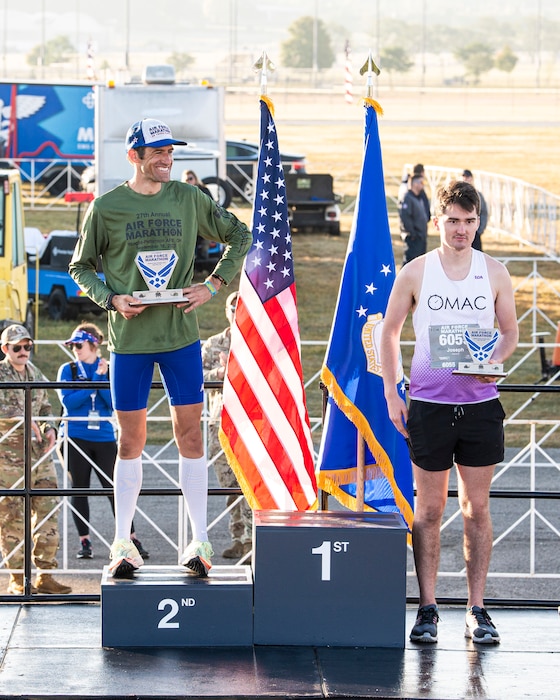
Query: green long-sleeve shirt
x=122 y=223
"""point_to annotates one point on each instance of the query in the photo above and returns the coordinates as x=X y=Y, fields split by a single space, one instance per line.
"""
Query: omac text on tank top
x=442 y=301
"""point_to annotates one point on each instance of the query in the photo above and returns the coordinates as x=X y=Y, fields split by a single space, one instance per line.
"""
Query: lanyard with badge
x=93 y=415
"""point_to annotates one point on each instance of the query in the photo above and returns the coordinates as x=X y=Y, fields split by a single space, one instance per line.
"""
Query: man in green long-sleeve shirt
x=147 y=215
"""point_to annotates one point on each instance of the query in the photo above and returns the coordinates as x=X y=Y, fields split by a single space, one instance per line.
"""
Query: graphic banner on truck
x=46 y=121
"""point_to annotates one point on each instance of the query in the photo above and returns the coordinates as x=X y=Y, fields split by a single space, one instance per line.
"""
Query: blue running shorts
x=181 y=373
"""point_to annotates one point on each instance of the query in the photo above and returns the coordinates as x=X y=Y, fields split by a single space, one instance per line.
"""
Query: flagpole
x=369 y=68
x=360 y=472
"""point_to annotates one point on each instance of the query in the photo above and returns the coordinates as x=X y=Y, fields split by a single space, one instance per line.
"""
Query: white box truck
x=195 y=113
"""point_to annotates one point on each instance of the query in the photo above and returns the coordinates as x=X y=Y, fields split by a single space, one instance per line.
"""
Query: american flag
x=90 y=63
x=265 y=429
x=348 y=94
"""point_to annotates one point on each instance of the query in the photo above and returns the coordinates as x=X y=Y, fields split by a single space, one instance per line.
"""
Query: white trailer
x=195 y=113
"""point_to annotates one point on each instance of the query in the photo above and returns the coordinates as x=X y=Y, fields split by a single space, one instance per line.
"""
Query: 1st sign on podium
x=329 y=578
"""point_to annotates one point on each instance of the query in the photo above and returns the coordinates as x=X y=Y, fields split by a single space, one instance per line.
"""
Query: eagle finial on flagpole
x=369 y=68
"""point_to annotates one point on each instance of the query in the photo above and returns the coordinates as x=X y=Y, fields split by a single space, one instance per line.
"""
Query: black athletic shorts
x=469 y=434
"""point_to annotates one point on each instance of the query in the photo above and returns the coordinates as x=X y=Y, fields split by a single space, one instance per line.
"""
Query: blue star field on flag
x=269 y=263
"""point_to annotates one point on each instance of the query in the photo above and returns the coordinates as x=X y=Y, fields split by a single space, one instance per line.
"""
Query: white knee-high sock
x=193 y=478
x=127 y=482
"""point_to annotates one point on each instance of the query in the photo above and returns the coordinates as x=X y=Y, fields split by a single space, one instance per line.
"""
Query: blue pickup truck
x=62 y=297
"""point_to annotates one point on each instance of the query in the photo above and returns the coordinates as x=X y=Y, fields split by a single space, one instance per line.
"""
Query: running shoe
x=479 y=626
x=196 y=557
x=425 y=628
x=86 y=551
x=124 y=559
x=141 y=551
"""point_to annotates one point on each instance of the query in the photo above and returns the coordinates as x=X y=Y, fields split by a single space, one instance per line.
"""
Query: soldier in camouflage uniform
x=215 y=351
x=16 y=345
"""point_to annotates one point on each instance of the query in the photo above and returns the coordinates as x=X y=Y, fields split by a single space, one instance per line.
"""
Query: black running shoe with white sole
x=479 y=626
x=425 y=628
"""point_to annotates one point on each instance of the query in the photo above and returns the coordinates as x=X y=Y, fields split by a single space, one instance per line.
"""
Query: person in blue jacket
x=92 y=443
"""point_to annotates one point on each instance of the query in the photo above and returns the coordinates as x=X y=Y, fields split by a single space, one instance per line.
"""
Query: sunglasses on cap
x=27 y=347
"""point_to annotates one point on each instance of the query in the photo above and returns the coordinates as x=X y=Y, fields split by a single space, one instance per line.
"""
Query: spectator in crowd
x=92 y=444
x=418 y=169
x=404 y=186
x=477 y=242
x=414 y=221
x=191 y=178
x=16 y=367
x=215 y=352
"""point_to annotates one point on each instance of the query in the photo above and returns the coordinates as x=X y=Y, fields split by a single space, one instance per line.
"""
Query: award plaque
x=480 y=343
x=156 y=268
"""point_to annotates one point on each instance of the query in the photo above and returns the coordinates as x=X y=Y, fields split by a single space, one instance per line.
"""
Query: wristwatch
x=109 y=302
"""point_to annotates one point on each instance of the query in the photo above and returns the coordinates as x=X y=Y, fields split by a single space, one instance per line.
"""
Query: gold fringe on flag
x=268 y=103
x=376 y=106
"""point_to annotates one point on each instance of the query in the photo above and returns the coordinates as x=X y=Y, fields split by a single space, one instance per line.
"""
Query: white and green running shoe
x=197 y=557
x=125 y=559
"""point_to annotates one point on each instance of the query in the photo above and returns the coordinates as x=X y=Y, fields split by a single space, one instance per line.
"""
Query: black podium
x=329 y=579
x=165 y=606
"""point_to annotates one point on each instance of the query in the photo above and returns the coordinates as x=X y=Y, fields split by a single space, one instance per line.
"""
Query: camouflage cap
x=13 y=334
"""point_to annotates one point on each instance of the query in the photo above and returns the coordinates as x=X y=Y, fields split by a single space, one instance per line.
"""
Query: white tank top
x=447 y=302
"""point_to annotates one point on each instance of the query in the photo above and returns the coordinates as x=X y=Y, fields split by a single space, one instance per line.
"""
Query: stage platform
x=54 y=651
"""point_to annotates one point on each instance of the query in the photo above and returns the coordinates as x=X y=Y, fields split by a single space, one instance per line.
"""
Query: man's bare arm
x=401 y=301
x=506 y=314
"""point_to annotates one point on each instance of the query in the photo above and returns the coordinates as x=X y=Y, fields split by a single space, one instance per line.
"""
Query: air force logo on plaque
x=156 y=267
x=481 y=342
x=371 y=343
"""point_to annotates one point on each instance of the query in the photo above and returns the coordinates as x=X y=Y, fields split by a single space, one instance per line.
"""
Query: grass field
x=531 y=153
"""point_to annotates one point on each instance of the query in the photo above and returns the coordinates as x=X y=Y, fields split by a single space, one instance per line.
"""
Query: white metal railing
x=534 y=453
x=531 y=466
x=517 y=208
x=46 y=180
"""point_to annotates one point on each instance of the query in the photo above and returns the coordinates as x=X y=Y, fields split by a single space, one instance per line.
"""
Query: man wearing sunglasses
x=16 y=345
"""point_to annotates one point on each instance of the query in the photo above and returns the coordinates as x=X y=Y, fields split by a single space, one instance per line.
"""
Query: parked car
x=242 y=158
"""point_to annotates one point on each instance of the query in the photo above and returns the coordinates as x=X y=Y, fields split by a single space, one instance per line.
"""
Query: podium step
x=165 y=606
x=329 y=579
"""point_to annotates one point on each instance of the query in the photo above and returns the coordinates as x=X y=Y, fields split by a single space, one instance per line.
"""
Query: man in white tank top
x=451 y=418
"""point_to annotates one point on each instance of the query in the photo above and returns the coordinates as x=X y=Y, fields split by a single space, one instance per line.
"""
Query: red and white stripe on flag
x=348 y=94
x=265 y=428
